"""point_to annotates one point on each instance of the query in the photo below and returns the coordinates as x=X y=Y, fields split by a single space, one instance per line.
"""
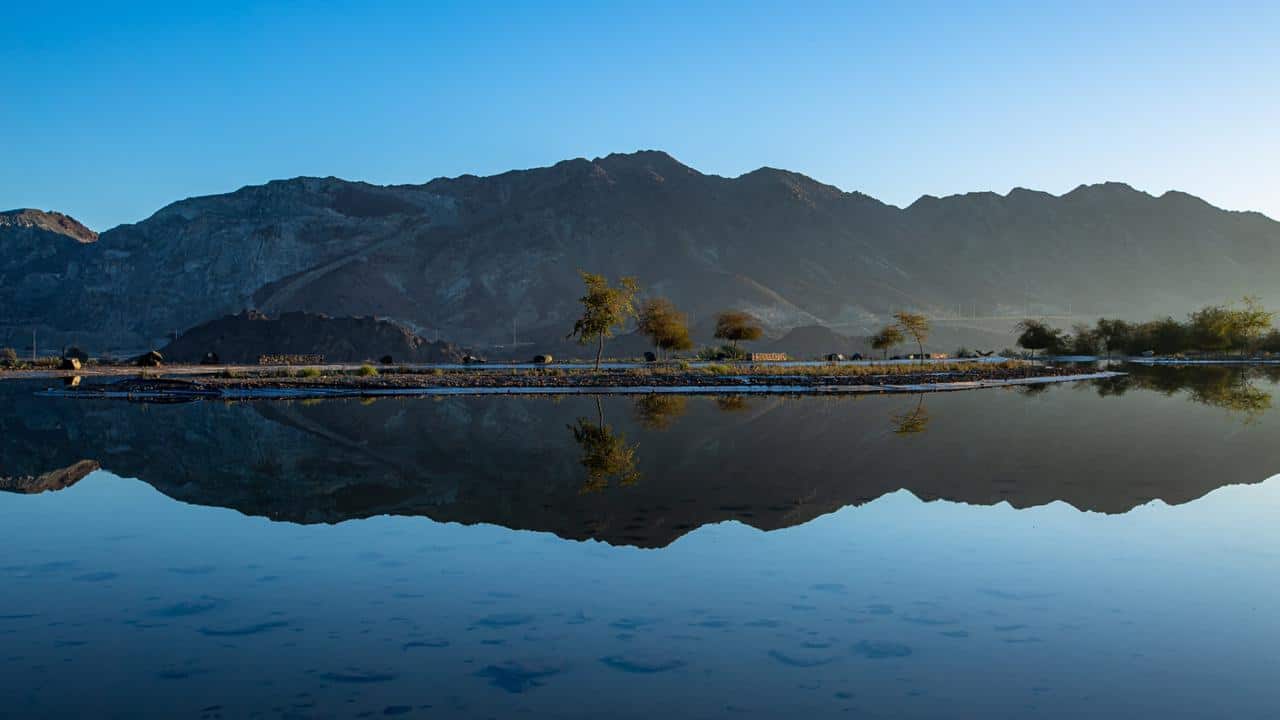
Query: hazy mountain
x=470 y=257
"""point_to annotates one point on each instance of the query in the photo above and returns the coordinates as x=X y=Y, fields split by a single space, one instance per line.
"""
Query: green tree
x=1252 y=322
x=1114 y=335
x=736 y=326
x=888 y=338
x=916 y=326
x=1036 y=335
x=1084 y=340
x=604 y=308
x=1213 y=328
x=667 y=327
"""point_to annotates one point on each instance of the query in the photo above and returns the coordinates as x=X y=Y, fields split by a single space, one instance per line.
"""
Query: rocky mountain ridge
x=492 y=260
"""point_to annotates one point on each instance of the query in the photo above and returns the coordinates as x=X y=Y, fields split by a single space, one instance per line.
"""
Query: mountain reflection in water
x=645 y=470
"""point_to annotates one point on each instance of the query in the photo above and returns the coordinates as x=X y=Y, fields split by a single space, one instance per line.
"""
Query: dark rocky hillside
x=466 y=258
x=244 y=337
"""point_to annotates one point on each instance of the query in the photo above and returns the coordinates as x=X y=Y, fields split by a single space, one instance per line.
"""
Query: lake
x=1100 y=549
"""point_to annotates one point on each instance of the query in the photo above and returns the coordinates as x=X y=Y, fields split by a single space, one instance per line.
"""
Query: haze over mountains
x=467 y=258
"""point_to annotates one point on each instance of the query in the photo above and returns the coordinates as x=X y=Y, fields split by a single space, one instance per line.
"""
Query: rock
x=472 y=360
x=210 y=358
x=386 y=360
x=542 y=359
x=249 y=335
x=835 y=357
x=149 y=359
x=70 y=363
x=650 y=357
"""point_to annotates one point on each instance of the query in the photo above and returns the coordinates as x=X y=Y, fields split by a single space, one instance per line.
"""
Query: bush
x=8 y=357
x=718 y=369
x=724 y=352
x=309 y=373
x=367 y=371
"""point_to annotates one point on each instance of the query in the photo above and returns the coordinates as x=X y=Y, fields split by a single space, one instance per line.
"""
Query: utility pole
x=33 y=346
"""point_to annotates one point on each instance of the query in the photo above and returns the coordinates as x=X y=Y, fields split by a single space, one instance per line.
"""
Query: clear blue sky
x=109 y=111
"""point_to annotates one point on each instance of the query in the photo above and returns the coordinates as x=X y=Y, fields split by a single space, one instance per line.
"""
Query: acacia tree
x=916 y=326
x=667 y=327
x=604 y=308
x=1251 y=322
x=737 y=326
x=1115 y=335
x=888 y=338
x=1037 y=335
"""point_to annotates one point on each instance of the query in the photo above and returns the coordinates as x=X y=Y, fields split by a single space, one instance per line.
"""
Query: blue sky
x=111 y=110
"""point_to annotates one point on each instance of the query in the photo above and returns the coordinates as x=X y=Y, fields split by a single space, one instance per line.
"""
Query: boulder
x=210 y=358
x=472 y=360
x=386 y=360
x=542 y=359
x=835 y=357
x=70 y=363
x=650 y=357
x=149 y=359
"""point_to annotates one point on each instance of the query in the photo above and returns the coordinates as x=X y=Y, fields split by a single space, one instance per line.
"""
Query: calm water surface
x=1103 y=549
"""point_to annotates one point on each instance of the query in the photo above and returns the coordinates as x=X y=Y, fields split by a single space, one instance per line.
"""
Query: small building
x=766 y=357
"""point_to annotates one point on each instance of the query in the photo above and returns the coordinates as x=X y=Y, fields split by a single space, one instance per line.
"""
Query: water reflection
x=657 y=411
x=1236 y=389
x=914 y=421
x=669 y=463
x=606 y=455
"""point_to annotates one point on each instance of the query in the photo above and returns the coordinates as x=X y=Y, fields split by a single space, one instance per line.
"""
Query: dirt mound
x=245 y=337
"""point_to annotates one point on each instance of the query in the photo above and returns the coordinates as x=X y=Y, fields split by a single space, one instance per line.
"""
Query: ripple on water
x=806 y=660
x=503 y=620
x=517 y=677
x=356 y=676
x=881 y=650
x=641 y=664
x=186 y=608
x=245 y=630
x=96 y=577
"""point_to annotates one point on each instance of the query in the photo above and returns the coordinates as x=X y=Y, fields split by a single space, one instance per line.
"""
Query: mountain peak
x=49 y=221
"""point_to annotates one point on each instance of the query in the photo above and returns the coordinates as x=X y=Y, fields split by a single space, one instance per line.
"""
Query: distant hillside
x=474 y=259
x=243 y=338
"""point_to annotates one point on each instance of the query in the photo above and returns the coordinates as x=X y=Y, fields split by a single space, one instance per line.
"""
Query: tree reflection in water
x=1231 y=388
x=607 y=456
x=732 y=403
x=657 y=411
x=914 y=421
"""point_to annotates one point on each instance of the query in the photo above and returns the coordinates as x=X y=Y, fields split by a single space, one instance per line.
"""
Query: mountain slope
x=468 y=258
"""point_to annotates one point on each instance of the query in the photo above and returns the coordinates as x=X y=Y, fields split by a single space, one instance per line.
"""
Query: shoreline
x=168 y=389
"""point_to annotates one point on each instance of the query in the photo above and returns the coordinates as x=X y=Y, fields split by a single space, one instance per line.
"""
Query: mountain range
x=478 y=260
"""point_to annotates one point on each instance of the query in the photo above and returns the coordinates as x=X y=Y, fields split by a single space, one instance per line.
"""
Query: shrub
x=8 y=357
x=309 y=373
x=718 y=369
x=367 y=371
